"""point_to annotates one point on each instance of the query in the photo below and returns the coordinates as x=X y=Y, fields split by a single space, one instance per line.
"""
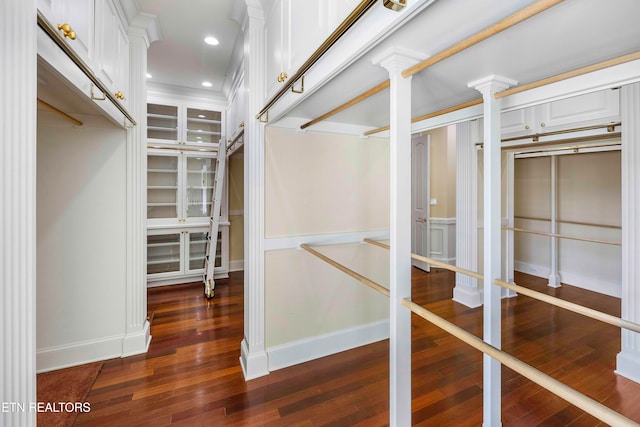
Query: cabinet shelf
x=162 y=187
x=161 y=116
x=162 y=204
x=162 y=245
x=208 y=121
x=197 y=171
x=200 y=187
x=163 y=170
x=162 y=129
x=203 y=132
x=163 y=261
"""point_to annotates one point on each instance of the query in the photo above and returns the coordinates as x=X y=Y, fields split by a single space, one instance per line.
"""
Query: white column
x=466 y=290
x=138 y=335
x=18 y=210
x=554 y=276
x=509 y=254
x=253 y=356
x=396 y=60
x=628 y=360
x=492 y=241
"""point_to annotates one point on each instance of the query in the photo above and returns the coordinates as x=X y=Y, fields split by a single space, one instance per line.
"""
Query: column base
x=628 y=365
x=137 y=342
x=254 y=365
x=470 y=297
x=554 y=281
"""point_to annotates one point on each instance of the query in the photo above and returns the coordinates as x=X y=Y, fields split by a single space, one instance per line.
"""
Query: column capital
x=146 y=26
x=397 y=58
x=492 y=84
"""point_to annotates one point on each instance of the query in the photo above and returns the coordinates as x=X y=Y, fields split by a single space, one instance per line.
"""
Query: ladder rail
x=214 y=225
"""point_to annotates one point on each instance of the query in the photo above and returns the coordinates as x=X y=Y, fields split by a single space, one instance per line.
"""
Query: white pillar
x=18 y=210
x=253 y=357
x=466 y=290
x=138 y=334
x=554 y=275
x=628 y=360
x=492 y=241
x=509 y=255
x=396 y=60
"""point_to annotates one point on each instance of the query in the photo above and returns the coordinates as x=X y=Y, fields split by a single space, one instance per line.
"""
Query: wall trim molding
x=571 y=278
x=293 y=242
x=442 y=235
x=293 y=353
x=443 y=221
x=64 y=356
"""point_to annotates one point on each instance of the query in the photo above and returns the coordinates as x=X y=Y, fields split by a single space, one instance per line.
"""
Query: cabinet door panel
x=580 y=110
x=200 y=173
x=516 y=122
x=80 y=15
x=164 y=253
x=308 y=29
x=339 y=10
x=49 y=9
x=107 y=27
x=274 y=35
x=162 y=186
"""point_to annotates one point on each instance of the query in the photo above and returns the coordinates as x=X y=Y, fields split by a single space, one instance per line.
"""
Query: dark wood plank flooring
x=191 y=375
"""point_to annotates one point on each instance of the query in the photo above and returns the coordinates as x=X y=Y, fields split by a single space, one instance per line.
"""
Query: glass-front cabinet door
x=164 y=253
x=162 y=123
x=163 y=185
x=196 y=251
x=199 y=185
x=203 y=126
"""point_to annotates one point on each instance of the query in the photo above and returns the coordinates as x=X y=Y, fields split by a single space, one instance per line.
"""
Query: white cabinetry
x=113 y=50
x=294 y=30
x=174 y=123
x=235 y=114
x=584 y=110
x=79 y=16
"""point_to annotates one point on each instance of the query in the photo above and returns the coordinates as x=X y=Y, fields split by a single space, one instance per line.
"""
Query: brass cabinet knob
x=67 y=31
x=119 y=95
x=282 y=77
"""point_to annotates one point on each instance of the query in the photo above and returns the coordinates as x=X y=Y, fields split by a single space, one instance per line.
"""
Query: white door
x=420 y=198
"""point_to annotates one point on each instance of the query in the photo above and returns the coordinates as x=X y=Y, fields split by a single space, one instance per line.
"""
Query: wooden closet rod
x=59 y=112
x=431 y=115
x=382 y=86
x=488 y=32
x=587 y=404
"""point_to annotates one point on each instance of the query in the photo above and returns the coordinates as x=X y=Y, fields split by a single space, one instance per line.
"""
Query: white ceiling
x=181 y=58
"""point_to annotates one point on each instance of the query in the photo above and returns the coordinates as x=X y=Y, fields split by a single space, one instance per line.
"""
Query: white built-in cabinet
x=235 y=112
x=101 y=40
x=171 y=123
x=584 y=110
x=181 y=163
x=294 y=30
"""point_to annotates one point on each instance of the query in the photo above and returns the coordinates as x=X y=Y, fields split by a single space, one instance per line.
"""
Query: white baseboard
x=138 y=342
x=571 y=278
x=628 y=365
x=184 y=279
x=254 y=364
x=64 y=356
x=450 y=261
x=293 y=353
x=237 y=265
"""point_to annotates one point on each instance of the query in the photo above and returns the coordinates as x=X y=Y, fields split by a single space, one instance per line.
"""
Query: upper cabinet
x=584 y=110
x=177 y=123
x=113 y=50
x=294 y=30
x=74 y=19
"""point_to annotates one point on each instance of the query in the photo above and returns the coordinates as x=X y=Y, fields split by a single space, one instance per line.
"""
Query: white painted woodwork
x=442 y=241
x=308 y=28
x=628 y=360
x=395 y=60
x=554 y=276
x=509 y=255
x=420 y=195
x=253 y=357
x=113 y=47
x=276 y=39
x=492 y=242
x=598 y=107
x=18 y=213
x=467 y=290
x=138 y=334
x=79 y=14
x=339 y=10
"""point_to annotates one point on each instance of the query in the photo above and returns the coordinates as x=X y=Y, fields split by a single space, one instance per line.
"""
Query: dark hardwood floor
x=191 y=375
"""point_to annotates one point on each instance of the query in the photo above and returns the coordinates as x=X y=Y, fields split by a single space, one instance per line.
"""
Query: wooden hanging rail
x=561 y=390
x=585 y=311
x=588 y=224
x=562 y=236
x=382 y=86
x=349 y=21
x=488 y=32
x=59 y=112
x=432 y=261
x=569 y=74
x=431 y=115
x=359 y=277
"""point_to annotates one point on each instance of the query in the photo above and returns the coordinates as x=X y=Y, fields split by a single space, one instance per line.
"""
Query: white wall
x=589 y=190
x=81 y=241
x=323 y=184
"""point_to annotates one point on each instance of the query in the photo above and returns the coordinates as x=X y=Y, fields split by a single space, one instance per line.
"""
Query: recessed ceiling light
x=211 y=40
x=207 y=84
x=149 y=76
